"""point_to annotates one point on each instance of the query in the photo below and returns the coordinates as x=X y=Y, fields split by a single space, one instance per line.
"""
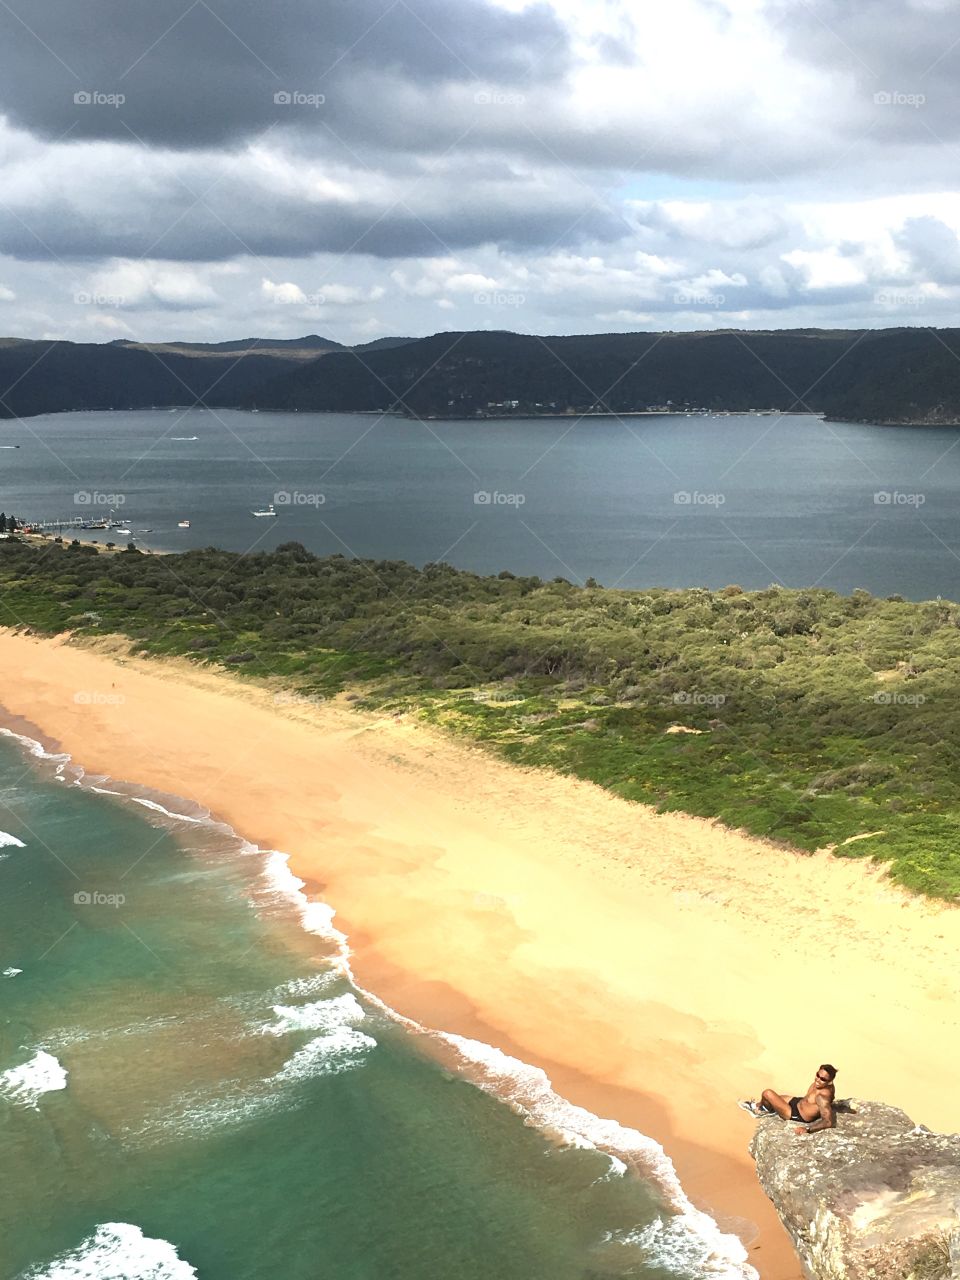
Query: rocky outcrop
x=876 y=1198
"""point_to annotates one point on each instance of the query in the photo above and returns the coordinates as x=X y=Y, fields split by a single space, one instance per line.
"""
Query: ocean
x=668 y=501
x=192 y=1085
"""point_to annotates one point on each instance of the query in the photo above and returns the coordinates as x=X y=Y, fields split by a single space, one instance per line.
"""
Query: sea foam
x=316 y=917
x=7 y=841
x=341 y=1047
x=688 y=1237
x=320 y=1015
x=27 y=1083
x=116 y=1251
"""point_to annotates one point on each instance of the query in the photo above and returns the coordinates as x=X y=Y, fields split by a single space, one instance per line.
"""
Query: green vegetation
x=817 y=717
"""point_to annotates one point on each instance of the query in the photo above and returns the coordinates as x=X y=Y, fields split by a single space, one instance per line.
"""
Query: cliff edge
x=876 y=1198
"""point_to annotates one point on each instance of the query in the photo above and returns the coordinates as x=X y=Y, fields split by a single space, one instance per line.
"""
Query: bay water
x=668 y=501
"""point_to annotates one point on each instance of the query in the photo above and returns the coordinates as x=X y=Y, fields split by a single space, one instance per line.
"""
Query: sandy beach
x=658 y=967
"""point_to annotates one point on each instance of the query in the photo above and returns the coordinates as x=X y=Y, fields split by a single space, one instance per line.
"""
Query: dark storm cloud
x=205 y=72
x=241 y=212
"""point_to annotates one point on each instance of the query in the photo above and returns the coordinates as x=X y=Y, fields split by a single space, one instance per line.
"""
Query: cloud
x=554 y=165
x=140 y=285
x=210 y=73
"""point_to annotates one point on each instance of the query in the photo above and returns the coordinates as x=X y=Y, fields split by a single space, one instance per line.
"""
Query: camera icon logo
x=282 y=98
x=282 y=498
x=82 y=497
x=83 y=899
x=82 y=98
x=482 y=498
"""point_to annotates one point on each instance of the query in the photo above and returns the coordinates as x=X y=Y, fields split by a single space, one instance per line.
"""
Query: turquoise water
x=790 y=500
x=191 y=1085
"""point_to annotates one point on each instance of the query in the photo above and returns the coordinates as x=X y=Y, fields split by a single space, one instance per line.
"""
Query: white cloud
x=286 y=292
x=149 y=284
x=825 y=268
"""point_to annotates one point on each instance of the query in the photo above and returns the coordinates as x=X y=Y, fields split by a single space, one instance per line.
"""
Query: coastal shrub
x=817 y=716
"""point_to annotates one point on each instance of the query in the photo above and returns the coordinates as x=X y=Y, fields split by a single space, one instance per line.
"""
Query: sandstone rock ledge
x=876 y=1198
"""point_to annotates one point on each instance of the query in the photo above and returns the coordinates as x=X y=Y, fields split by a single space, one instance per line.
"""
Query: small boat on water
x=183 y=524
x=184 y=438
x=265 y=511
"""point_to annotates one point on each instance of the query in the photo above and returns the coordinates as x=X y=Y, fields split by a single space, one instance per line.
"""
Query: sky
x=214 y=169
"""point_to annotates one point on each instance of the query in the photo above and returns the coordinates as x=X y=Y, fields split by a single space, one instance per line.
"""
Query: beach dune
x=657 y=966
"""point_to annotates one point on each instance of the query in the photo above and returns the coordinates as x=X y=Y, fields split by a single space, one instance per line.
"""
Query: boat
x=183 y=524
x=184 y=438
x=265 y=511
x=124 y=532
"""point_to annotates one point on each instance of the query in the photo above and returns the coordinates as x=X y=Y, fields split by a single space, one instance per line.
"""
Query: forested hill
x=50 y=377
x=892 y=375
x=887 y=375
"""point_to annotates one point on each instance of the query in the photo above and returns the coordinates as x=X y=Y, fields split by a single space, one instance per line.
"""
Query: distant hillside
x=908 y=376
x=885 y=375
x=381 y=344
x=306 y=348
x=466 y=374
x=49 y=377
x=890 y=375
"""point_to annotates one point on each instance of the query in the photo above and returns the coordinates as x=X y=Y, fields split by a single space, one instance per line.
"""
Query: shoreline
x=645 y=962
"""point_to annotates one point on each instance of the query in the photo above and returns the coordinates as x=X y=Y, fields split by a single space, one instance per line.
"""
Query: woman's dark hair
x=825 y=1066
